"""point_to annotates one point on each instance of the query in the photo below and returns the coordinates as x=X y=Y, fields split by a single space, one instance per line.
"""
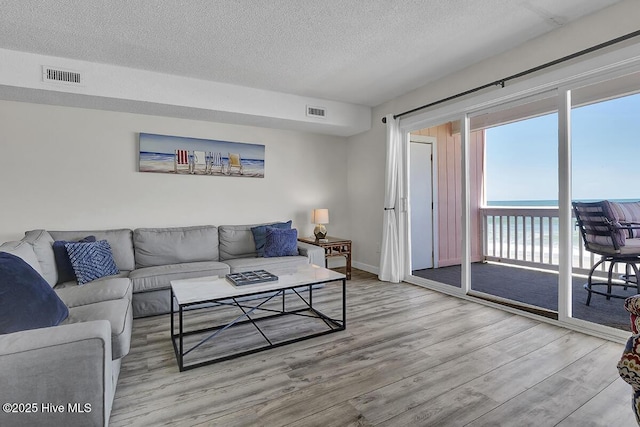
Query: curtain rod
x=502 y=81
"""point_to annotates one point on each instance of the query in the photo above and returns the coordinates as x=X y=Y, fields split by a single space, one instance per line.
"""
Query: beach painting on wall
x=195 y=156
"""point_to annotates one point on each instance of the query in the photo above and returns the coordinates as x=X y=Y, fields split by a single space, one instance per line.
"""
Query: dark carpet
x=537 y=288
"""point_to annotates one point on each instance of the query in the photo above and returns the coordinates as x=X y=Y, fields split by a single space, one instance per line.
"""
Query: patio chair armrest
x=631 y=225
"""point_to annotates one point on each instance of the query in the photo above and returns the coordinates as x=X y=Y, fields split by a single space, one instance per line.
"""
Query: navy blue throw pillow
x=63 y=264
x=260 y=234
x=91 y=261
x=281 y=242
x=26 y=299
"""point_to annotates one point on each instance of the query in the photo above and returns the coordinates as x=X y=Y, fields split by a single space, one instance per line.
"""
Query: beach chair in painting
x=615 y=239
x=181 y=161
x=199 y=162
x=215 y=162
x=235 y=162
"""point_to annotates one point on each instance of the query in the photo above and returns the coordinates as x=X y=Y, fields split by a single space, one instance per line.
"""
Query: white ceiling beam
x=110 y=87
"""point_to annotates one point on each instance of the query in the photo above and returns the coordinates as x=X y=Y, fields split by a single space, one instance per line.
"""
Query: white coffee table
x=209 y=293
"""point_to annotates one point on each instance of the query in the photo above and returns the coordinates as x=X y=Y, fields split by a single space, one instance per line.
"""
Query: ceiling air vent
x=318 y=112
x=56 y=75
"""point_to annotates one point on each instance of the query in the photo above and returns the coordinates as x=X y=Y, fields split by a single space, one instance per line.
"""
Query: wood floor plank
x=579 y=383
x=342 y=415
x=322 y=395
x=409 y=356
x=464 y=404
x=393 y=345
x=516 y=377
x=402 y=396
x=610 y=407
x=194 y=400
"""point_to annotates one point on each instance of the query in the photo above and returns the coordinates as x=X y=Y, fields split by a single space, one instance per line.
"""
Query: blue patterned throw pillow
x=260 y=234
x=63 y=265
x=281 y=242
x=26 y=299
x=91 y=261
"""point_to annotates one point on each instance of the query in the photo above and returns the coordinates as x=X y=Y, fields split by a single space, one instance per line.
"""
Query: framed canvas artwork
x=196 y=156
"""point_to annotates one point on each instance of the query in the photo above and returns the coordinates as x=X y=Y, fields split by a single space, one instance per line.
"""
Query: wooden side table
x=333 y=247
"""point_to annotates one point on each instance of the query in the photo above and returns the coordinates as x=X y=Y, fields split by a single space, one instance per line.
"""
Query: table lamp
x=320 y=217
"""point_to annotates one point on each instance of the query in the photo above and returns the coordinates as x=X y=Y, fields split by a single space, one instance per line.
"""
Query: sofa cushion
x=240 y=265
x=97 y=291
x=151 y=303
x=281 y=242
x=42 y=244
x=120 y=240
x=117 y=312
x=23 y=250
x=237 y=241
x=92 y=260
x=74 y=284
x=63 y=264
x=162 y=246
x=159 y=277
x=260 y=234
x=26 y=299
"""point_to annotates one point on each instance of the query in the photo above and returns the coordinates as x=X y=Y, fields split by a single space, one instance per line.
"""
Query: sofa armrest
x=313 y=252
x=57 y=376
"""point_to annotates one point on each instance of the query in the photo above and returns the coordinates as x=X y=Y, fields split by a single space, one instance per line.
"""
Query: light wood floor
x=409 y=356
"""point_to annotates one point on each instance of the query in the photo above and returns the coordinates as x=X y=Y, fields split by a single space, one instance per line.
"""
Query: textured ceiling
x=356 y=51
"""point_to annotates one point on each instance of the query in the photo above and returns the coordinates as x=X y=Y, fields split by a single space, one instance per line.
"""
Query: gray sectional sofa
x=78 y=361
x=74 y=363
x=152 y=257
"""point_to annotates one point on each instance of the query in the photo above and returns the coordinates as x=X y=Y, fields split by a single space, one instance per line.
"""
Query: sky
x=522 y=157
x=168 y=144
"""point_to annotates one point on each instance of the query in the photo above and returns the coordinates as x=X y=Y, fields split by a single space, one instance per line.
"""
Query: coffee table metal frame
x=333 y=325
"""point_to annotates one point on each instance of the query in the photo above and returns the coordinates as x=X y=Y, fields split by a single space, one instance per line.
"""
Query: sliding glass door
x=605 y=150
x=514 y=203
x=503 y=186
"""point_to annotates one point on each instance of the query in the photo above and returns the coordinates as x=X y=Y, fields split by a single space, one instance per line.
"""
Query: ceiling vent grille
x=56 y=75
x=318 y=112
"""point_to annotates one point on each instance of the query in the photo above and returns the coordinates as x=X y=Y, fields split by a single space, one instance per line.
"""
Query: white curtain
x=391 y=252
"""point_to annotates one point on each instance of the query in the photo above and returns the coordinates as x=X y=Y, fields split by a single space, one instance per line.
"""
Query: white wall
x=69 y=168
x=366 y=151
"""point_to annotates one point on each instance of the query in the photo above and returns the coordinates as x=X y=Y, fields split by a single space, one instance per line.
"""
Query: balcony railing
x=529 y=236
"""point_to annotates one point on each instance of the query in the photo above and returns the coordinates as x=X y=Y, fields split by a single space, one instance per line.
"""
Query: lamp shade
x=320 y=216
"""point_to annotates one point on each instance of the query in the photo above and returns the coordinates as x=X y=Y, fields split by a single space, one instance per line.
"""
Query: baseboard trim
x=365 y=267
